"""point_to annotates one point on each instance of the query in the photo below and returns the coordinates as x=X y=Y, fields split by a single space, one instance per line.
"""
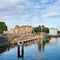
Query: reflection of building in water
x=53 y=41
x=41 y=45
x=21 y=51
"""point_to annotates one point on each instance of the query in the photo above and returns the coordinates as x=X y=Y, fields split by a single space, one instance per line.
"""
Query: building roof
x=53 y=28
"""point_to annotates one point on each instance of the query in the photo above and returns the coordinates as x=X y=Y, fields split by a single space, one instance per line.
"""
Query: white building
x=53 y=31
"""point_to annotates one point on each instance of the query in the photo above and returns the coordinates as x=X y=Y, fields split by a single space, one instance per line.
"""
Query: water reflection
x=6 y=48
x=3 y=49
x=20 y=51
x=53 y=41
x=41 y=43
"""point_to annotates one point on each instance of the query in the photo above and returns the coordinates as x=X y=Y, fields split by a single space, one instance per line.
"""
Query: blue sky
x=30 y=12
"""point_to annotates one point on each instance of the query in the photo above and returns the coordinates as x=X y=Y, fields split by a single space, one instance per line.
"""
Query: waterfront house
x=53 y=31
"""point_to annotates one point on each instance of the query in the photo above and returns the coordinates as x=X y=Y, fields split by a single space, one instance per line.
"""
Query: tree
x=46 y=29
x=3 y=27
x=58 y=31
x=36 y=29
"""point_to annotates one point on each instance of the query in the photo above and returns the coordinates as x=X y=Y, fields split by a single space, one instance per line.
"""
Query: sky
x=30 y=12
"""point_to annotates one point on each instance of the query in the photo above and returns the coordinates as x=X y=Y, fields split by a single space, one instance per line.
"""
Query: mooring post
x=22 y=51
x=18 y=51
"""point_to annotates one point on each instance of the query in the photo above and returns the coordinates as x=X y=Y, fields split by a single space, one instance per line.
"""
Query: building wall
x=53 y=31
x=19 y=30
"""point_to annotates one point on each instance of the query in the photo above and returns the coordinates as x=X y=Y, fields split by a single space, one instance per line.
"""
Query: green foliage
x=58 y=31
x=46 y=29
x=3 y=27
x=36 y=29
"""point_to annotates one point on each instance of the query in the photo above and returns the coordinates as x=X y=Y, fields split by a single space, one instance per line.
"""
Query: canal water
x=42 y=49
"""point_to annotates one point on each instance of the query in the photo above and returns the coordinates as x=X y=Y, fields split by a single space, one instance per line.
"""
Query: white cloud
x=50 y=14
x=8 y=3
x=27 y=12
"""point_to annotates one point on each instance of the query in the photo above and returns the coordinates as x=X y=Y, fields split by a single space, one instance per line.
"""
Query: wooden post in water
x=21 y=51
x=18 y=51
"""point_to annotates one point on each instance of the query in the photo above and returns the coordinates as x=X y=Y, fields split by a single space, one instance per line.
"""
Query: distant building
x=19 y=30
x=53 y=31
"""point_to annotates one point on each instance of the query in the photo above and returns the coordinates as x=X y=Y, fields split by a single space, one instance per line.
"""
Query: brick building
x=19 y=30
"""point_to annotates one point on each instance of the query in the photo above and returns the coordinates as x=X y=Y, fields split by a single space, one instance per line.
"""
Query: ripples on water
x=47 y=49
